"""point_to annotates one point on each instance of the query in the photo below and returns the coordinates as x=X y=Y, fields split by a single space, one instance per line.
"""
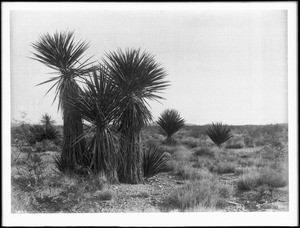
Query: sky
x=225 y=66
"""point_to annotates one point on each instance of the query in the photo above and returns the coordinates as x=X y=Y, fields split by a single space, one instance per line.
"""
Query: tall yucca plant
x=169 y=123
x=138 y=77
x=60 y=53
x=218 y=133
x=98 y=104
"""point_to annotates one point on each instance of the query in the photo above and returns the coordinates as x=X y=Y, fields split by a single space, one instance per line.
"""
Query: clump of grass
x=46 y=145
x=204 y=151
x=187 y=172
x=104 y=195
x=249 y=142
x=222 y=167
x=171 y=149
x=204 y=163
x=181 y=154
x=235 y=142
x=260 y=177
x=190 y=142
x=236 y=145
x=205 y=193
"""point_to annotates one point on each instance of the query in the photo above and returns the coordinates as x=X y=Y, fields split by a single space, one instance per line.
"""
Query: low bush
x=249 y=142
x=104 y=195
x=182 y=154
x=46 y=145
x=236 y=142
x=187 y=172
x=204 y=163
x=237 y=145
x=223 y=167
x=205 y=193
x=171 y=149
x=190 y=142
x=204 y=151
x=259 y=177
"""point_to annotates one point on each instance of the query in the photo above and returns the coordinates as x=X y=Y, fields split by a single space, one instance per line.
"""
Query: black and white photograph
x=149 y=114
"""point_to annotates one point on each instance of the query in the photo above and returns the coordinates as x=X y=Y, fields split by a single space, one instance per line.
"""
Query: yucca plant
x=138 y=77
x=218 y=133
x=98 y=105
x=154 y=161
x=169 y=123
x=38 y=133
x=47 y=121
x=60 y=53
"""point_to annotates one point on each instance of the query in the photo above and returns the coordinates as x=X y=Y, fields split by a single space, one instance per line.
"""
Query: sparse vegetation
x=205 y=193
x=95 y=166
x=266 y=176
x=204 y=151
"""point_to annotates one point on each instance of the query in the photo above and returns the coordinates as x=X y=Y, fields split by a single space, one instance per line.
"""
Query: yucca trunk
x=73 y=149
x=104 y=159
x=130 y=165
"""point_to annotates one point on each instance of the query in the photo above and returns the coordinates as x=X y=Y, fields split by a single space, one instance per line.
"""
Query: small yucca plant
x=154 y=161
x=169 y=123
x=219 y=133
x=47 y=121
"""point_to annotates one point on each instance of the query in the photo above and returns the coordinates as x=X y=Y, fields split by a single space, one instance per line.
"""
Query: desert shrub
x=46 y=145
x=204 y=163
x=235 y=142
x=171 y=149
x=237 y=145
x=187 y=172
x=202 y=193
x=181 y=154
x=218 y=133
x=197 y=131
x=154 y=161
x=204 y=151
x=274 y=151
x=249 y=142
x=225 y=167
x=266 y=176
x=104 y=195
x=190 y=142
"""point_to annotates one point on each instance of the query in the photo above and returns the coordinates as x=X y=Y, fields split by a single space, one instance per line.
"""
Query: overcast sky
x=228 y=66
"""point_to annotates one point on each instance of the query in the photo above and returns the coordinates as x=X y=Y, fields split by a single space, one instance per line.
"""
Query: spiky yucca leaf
x=218 y=133
x=154 y=161
x=169 y=123
x=138 y=77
